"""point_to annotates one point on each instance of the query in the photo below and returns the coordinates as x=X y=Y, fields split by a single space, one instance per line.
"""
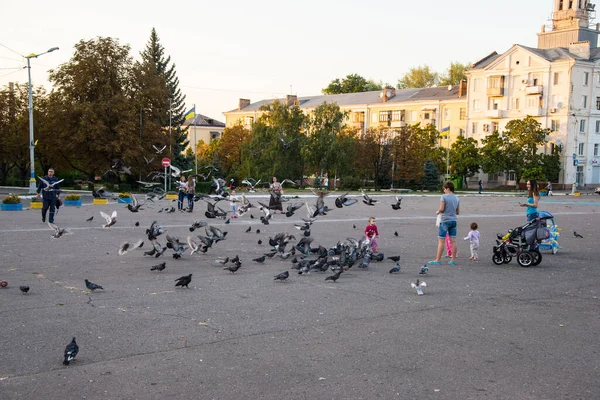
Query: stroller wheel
x=497 y=259
x=507 y=258
x=525 y=259
x=537 y=257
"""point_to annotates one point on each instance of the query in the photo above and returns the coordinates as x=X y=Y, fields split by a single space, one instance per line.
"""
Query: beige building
x=203 y=128
x=440 y=106
x=558 y=83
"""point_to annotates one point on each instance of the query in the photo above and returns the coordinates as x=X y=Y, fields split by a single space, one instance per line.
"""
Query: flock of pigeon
x=304 y=256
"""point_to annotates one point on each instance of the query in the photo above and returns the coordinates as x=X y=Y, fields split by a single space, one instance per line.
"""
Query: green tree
x=431 y=176
x=353 y=83
x=464 y=158
x=154 y=54
x=551 y=164
x=412 y=146
x=492 y=159
x=375 y=162
x=94 y=118
x=454 y=74
x=324 y=125
x=418 y=77
x=230 y=149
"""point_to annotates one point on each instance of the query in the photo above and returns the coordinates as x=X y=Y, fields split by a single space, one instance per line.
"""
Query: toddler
x=233 y=203
x=473 y=238
x=372 y=234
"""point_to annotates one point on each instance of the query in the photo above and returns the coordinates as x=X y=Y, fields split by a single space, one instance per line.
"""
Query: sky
x=264 y=49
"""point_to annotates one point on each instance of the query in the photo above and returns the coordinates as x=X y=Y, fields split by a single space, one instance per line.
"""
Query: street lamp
x=32 y=187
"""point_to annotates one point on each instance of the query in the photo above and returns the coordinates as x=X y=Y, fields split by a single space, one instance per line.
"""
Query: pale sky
x=226 y=50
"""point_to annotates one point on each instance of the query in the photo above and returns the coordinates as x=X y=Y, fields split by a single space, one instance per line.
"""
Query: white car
x=597 y=190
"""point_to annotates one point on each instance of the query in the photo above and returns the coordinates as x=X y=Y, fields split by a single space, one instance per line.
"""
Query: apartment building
x=441 y=107
x=203 y=128
x=558 y=83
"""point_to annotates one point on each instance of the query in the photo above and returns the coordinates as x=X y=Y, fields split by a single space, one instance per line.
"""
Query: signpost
x=166 y=162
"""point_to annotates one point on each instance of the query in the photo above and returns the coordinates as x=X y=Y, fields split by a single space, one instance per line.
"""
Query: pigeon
x=184 y=281
x=24 y=289
x=396 y=233
x=92 y=286
x=71 y=352
x=193 y=245
x=394 y=258
x=137 y=223
x=125 y=247
x=251 y=216
x=222 y=261
x=134 y=206
x=368 y=200
x=260 y=259
x=90 y=218
x=158 y=267
x=343 y=200
x=249 y=229
x=158 y=151
x=354 y=226
x=577 y=235
x=419 y=286
x=282 y=276
x=49 y=187
x=424 y=270
x=233 y=267
x=334 y=277
x=396 y=206
x=259 y=241
x=110 y=220
x=395 y=269
x=57 y=231
x=258 y=231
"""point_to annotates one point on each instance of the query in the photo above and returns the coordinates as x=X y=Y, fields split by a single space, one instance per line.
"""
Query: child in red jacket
x=372 y=234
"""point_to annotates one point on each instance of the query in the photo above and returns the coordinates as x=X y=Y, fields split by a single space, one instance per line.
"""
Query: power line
x=232 y=90
x=12 y=59
x=8 y=48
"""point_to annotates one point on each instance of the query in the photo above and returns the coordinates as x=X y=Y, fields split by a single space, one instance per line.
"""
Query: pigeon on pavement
x=92 y=286
x=184 y=281
x=71 y=351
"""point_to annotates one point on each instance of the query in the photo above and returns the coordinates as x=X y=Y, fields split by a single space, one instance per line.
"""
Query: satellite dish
x=558 y=142
x=559 y=105
x=449 y=87
x=388 y=93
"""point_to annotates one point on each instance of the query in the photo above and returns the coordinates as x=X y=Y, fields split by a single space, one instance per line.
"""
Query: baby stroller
x=522 y=242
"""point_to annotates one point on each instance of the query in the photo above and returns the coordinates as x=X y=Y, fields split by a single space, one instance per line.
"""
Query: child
x=191 y=190
x=372 y=233
x=448 y=246
x=473 y=237
x=233 y=203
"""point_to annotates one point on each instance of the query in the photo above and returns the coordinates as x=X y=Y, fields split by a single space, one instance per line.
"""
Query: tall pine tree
x=155 y=54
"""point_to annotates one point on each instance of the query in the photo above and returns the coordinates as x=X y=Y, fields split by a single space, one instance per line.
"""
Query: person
x=549 y=188
x=275 y=200
x=480 y=186
x=372 y=233
x=50 y=197
x=182 y=186
x=473 y=238
x=233 y=200
x=326 y=182
x=191 y=191
x=449 y=211
x=533 y=198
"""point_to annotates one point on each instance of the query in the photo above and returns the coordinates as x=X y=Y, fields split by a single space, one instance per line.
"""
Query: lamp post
x=32 y=187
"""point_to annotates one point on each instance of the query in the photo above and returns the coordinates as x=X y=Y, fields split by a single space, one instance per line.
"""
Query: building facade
x=558 y=83
x=203 y=128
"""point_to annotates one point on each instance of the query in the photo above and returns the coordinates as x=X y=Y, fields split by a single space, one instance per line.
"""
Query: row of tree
x=105 y=108
x=417 y=77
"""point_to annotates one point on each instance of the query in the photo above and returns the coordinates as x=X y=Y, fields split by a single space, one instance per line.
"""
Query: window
x=511 y=176
x=248 y=121
x=493 y=103
x=384 y=116
x=476 y=105
x=486 y=127
x=516 y=103
x=398 y=115
x=586 y=78
x=555 y=125
x=583 y=101
x=495 y=126
x=476 y=84
x=463 y=113
x=533 y=101
x=374 y=118
x=474 y=127
x=461 y=132
x=413 y=116
x=426 y=115
x=358 y=116
x=598 y=126
x=214 y=135
x=580 y=149
x=447 y=114
x=596 y=149
x=556 y=78
x=582 y=126
x=597 y=103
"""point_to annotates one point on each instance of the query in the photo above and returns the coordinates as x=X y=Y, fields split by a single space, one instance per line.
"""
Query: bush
x=72 y=197
x=76 y=186
x=124 y=195
x=124 y=187
x=90 y=187
x=350 y=183
x=35 y=200
x=12 y=199
x=203 y=187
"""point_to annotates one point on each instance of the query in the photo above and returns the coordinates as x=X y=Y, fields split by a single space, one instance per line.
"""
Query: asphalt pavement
x=480 y=330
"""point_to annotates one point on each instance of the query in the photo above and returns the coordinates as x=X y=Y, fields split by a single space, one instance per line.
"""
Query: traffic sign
x=166 y=162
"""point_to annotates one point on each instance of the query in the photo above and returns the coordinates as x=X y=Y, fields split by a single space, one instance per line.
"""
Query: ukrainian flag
x=445 y=131
x=190 y=114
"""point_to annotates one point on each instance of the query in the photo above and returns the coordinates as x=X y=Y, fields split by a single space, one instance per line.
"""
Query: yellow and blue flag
x=190 y=114
x=445 y=131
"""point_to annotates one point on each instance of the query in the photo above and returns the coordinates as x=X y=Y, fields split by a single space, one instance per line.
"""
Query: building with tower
x=557 y=83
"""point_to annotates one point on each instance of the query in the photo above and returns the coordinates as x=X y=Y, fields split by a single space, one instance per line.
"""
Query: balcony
x=398 y=124
x=357 y=125
x=493 y=114
x=533 y=111
x=535 y=89
x=495 y=91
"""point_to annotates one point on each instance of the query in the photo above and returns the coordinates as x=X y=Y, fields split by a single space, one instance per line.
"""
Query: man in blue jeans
x=50 y=189
x=449 y=210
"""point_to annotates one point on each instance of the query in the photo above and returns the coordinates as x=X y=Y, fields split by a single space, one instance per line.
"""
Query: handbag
x=438 y=220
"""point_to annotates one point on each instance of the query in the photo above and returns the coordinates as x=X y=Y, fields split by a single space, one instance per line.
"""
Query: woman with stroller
x=533 y=198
